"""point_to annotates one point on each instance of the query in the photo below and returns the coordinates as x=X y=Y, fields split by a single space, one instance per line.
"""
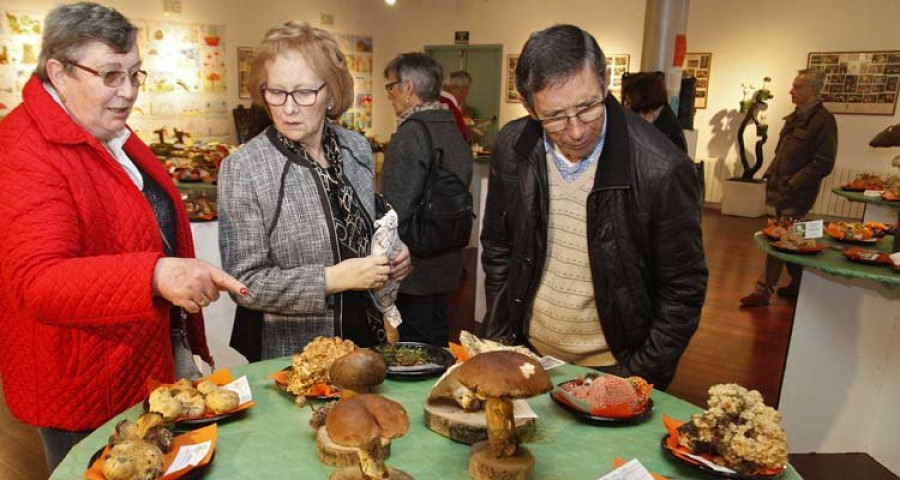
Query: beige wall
x=767 y=38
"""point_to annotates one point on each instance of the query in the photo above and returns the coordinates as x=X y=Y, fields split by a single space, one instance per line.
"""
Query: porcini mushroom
x=362 y=421
x=358 y=371
x=500 y=377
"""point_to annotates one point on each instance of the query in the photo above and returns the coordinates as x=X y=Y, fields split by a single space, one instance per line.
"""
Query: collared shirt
x=115 y=145
x=572 y=171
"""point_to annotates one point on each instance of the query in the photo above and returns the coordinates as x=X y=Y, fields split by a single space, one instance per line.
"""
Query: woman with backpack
x=426 y=146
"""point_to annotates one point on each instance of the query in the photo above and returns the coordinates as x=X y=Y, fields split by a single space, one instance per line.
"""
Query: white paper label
x=189 y=455
x=711 y=465
x=550 y=363
x=895 y=257
x=633 y=470
x=522 y=410
x=813 y=229
x=873 y=193
x=241 y=387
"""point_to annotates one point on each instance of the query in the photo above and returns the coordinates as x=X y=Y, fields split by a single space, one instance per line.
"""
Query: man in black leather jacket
x=634 y=239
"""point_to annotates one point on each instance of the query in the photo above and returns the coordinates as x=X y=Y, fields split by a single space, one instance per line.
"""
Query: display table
x=877 y=209
x=842 y=372
x=274 y=439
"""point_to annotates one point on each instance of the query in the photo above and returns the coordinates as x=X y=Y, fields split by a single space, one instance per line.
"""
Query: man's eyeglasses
x=388 y=86
x=587 y=114
x=305 y=97
x=115 y=78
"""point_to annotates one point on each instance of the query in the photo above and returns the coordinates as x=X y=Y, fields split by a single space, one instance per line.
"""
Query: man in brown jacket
x=805 y=154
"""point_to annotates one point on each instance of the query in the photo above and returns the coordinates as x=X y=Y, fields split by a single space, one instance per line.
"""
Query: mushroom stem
x=500 y=427
x=371 y=460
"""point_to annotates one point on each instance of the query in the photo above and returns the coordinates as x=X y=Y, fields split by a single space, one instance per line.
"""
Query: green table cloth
x=833 y=261
x=274 y=439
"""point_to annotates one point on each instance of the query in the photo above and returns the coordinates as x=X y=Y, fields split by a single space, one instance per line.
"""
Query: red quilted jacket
x=80 y=331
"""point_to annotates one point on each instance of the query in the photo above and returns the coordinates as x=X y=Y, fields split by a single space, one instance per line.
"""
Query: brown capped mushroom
x=362 y=421
x=358 y=371
x=500 y=377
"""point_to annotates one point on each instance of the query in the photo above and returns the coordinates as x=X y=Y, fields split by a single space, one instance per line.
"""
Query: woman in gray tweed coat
x=296 y=203
x=413 y=86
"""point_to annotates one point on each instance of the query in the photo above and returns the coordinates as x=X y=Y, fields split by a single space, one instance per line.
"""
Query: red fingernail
x=244 y=291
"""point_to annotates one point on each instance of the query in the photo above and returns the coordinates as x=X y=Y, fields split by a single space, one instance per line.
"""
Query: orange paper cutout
x=459 y=352
x=209 y=433
x=317 y=390
x=618 y=462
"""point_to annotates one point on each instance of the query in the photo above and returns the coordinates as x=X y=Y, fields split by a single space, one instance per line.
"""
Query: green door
x=484 y=63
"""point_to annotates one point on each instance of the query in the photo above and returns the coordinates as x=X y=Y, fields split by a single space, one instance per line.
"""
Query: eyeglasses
x=115 y=78
x=305 y=97
x=588 y=114
x=388 y=86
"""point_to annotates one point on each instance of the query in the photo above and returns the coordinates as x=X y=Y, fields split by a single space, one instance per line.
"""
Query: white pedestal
x=219 y=315
x=842 y=374
x=743 y=199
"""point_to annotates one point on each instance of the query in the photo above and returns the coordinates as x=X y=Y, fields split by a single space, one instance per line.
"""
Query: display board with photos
x=512 y=96
x=186 y=86
x=698 y=65
x=864 y=83
x=617 y=65
x=358 y=50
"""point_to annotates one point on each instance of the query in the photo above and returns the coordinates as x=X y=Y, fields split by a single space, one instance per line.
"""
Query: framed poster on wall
x=245 y=57
x=617 y=64
x=512 y=96
x=864 y=83
x=697 y=65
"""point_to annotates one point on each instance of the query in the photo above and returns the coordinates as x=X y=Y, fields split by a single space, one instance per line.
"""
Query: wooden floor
x=745 y=346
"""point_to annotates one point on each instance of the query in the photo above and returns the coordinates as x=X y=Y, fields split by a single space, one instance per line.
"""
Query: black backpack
x=441 y=221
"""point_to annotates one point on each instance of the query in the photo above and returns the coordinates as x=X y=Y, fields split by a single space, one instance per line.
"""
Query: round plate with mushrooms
x=413 y=360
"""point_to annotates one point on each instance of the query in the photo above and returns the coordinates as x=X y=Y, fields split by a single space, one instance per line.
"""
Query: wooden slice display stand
x=484 y=465
x=336 y=455
x=451 y=421
x=353 y=473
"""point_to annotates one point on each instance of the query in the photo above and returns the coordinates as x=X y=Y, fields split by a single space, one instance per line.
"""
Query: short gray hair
x=424 y=72
x=458 y=79
x=68 y=28
x=554 y=55
x=816 y=79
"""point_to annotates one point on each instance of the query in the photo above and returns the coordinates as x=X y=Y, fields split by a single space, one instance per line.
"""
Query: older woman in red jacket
x=95 y=251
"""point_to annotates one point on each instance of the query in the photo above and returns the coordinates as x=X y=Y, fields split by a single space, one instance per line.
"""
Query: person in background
x=99 y=288
x=297 y=202
x=454 y=94
x=805 y=154
x=413 y=83
x=592 y=247
x=645 y=94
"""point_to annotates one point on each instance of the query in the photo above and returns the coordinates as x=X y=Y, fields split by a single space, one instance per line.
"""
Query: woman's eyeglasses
x=587 y=114
x=305 y=97
x=115 y=78
x=388 y=86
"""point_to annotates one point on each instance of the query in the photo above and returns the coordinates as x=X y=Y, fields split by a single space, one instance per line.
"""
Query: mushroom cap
x=350 y=424
x=360 y=419
x=359 y=367
x=504 y=374
x=390 y=415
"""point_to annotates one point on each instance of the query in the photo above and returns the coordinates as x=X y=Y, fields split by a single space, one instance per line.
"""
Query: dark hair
x=321 y=52
x=68 y=28
x=644 y=91
x=555 y=54
x=424 y=71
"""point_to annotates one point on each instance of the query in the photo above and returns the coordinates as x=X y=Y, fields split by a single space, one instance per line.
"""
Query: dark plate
x=314 y=397
x=853 y=240
x=802 y=251
x=440 y=361
x=596 y=419
x=207 y=420
x=710 y=471
x=197 y=472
